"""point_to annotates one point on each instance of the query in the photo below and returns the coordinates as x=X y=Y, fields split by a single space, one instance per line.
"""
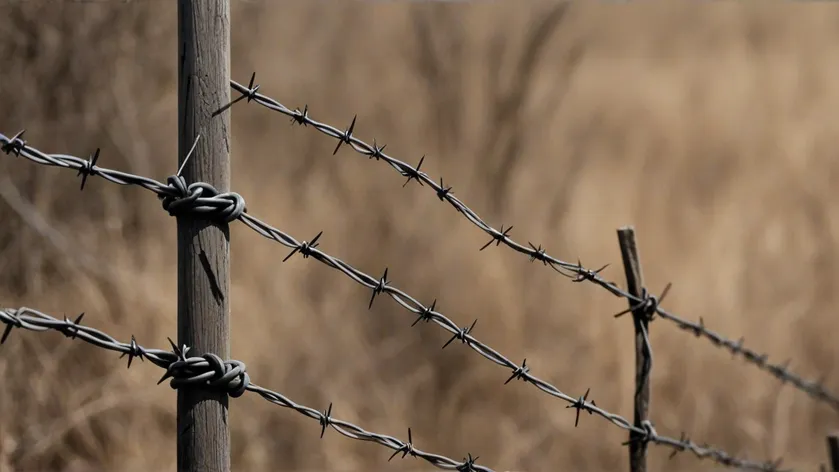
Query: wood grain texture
x=203 y=246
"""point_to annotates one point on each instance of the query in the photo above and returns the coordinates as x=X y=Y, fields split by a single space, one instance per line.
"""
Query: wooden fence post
x=635 y=286
x=203 y=246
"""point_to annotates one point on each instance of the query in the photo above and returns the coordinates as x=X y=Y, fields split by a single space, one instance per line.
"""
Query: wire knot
x=468 y=464
x=305 y=248
x=380 y=287
x=649 y=431
x=648 y=306
x=538 y=254
x=497 y=236
x=134 y=350
x=461 y=334
x=581 y=274
x=71 y=327
x=520 y=373
x=443 y=192
x=203 y=200
x=252 y=90
x=12 y=319
x=345 y=137
x=407 y=448
x=15 y=145
x=376 y=151
x=209 y=371
x=412 y=173
x=301 y=117
x=88 y=168
x=580 y=405
x=325 y=420
x=648 y=435
x=427 y=314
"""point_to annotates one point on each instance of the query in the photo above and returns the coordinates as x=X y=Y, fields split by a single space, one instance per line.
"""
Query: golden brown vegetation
x=711 y=129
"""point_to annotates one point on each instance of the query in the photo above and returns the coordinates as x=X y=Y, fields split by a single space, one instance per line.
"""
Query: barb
x=576 y=272
x=186 y=199
x=209 y=371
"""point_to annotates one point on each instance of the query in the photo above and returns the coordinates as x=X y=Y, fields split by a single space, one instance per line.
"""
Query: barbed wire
x=211 y=372
x=182 y=199
x=576 y=272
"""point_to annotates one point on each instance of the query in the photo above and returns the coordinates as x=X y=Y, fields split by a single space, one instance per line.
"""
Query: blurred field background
x=712 y=129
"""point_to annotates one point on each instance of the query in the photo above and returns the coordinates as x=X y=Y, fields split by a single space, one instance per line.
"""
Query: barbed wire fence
x=209 y=371
x=202 y=200
x=575 y=271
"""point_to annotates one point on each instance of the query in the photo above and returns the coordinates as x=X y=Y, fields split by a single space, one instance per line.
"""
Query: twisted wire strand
x=577 y=272
x=176 y=192
x=201 y=374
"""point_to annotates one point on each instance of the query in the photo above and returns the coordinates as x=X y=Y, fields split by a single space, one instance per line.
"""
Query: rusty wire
x=211 y=372
x=202 y=200
x=576 y=272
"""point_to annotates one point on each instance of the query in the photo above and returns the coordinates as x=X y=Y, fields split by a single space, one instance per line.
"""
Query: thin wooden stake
x=203 y=246
x=635 y=286
x=833 y=451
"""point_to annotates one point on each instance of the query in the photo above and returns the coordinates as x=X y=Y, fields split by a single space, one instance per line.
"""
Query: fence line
x=201 y=199
x=576 y=272
x=211 y=371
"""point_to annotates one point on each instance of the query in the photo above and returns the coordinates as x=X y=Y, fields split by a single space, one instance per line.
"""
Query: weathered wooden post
x=635 y=286
x=203 y=246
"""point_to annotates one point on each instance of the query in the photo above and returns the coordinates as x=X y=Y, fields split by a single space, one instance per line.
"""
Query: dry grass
x=709 y=128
